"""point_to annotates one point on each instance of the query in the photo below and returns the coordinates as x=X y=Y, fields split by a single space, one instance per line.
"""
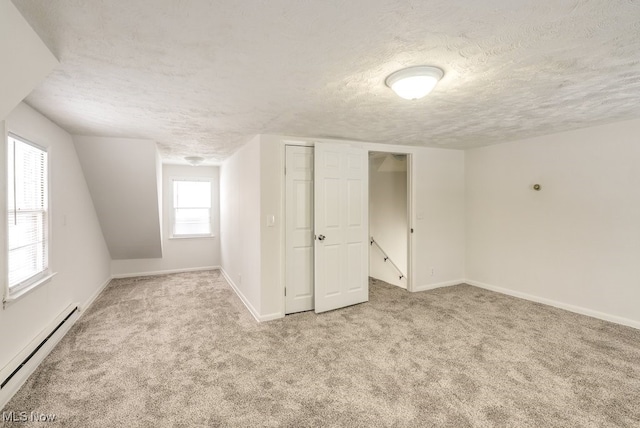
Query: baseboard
x=93 y=297
x=163 y=272
x=571 y=308
x=438 y=285
x=27 y=370
x=271 y=317
x=247 y=304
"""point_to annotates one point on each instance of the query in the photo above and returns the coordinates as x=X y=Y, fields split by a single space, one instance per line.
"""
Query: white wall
x=272 y=160
x=184 y=253
x=78 y=252
x=26 y=59
x=123 y=180
x=388 y=222
x=240 y=243
x=438 y=188
x=575 y=243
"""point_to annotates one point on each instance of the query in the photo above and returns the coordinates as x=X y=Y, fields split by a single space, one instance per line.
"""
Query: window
x=28 y=214
x=191 y=208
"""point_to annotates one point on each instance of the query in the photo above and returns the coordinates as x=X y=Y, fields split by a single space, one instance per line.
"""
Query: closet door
x=299 y=229
x=341 y=226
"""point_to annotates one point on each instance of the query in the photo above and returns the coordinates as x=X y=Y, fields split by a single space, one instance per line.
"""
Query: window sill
x=17 y=295
x=193 y=237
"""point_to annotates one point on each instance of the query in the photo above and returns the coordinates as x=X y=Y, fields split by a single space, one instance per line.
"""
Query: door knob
x=321 y=237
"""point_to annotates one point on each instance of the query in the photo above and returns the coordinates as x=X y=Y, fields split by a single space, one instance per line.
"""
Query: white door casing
x=341 y=226
x=299 y=229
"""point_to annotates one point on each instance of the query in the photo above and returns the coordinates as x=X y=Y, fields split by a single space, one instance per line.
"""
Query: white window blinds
x=191 y=208
x=28 y=217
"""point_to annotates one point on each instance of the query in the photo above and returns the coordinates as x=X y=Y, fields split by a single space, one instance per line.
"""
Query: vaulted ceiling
x=201 y=77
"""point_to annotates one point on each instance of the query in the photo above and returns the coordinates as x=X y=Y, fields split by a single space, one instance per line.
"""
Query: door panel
x=354 y=209
x=341 y=226
x=299 y=229
x=332 y=288
x=354 y=267
x=302 y=203
x=303 y=278
x=331 y=203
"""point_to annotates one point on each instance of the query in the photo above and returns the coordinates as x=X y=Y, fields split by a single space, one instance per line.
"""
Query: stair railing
x=386 y=257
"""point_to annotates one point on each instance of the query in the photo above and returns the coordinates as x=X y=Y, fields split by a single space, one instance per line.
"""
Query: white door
x=299 y=229
x=341 y=226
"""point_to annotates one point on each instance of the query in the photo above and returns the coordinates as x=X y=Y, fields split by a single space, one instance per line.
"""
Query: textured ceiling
x=201 y=77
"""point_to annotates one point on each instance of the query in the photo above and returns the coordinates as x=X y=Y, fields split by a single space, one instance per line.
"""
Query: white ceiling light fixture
x=414 y=82
x=194 y=160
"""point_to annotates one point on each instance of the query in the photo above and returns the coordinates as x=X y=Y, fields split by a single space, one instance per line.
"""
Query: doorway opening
x=389 y=225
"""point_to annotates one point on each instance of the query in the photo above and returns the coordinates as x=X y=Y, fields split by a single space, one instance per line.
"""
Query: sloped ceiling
x=30 y=61
x=122 y=175
x=201 y=77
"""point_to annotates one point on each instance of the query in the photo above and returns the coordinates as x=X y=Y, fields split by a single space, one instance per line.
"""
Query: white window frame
x=172 y=213
x=12 y=293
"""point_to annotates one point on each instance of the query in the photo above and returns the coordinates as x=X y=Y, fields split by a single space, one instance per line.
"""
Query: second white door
x=341 y=265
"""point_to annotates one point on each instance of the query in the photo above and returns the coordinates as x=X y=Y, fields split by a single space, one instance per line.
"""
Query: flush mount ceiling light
x=194 y=160
x=414 y=82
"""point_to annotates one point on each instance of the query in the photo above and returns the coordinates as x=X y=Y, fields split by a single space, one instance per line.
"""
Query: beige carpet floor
x=182 y=351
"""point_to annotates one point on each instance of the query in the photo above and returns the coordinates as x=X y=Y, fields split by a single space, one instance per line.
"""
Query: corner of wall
x=160 y=199
x=3 y=212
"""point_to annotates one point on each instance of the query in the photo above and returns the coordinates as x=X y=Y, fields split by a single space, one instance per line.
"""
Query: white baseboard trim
x=93 y=297
x=271 y=317
x=571 y=308
x=247 y=304
x=438 y=285
x=27 y=370
x=163 y=272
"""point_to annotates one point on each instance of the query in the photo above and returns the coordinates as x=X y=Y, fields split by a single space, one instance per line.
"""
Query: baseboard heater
x=26 y=360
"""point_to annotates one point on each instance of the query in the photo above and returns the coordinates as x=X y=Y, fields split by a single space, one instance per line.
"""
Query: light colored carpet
x=181 y=350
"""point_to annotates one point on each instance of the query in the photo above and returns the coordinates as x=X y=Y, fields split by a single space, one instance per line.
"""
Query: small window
x=191 y=208
x=28 y=214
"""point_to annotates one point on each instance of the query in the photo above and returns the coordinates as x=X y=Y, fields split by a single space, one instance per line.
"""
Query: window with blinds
x=28 y=213
x=191 y=208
